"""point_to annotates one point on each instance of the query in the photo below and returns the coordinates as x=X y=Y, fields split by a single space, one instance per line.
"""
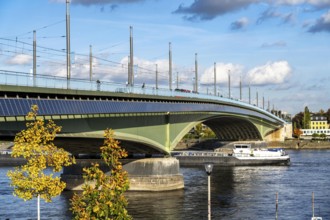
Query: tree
x=327 y=114
x=298 y=120
x=199 y=130
x=321 y=112
x=102 y=196
x=35 y=144
x=209 y=133
x=307 y=118
x=297 y=132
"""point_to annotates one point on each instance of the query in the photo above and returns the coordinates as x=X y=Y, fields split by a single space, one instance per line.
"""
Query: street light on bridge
x=208 y=169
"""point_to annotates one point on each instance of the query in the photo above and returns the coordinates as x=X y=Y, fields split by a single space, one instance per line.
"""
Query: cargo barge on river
x=238 y=155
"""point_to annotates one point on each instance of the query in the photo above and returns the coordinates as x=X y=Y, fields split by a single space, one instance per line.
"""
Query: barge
x=239 y=155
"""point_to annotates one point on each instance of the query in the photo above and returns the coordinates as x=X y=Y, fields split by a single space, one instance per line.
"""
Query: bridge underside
x=147 y=133
x=233 y=129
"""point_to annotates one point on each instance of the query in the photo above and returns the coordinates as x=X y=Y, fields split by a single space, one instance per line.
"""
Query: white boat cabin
x=245 y=150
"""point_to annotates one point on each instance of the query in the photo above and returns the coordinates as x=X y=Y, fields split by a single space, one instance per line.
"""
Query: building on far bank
x=318 y=122
x=318 y=125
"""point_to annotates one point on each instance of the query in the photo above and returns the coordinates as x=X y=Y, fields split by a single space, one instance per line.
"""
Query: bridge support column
x=167 y=133
x=152 y=174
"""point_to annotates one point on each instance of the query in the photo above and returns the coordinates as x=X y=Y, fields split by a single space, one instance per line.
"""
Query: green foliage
x=102 y=196
x=35 y=144
x=315 y=135
x=199 y=129
x=199 y=132
x=327 y=114
x=306 y=119
x=298 y=120
x=208 y=133
x=323 y=136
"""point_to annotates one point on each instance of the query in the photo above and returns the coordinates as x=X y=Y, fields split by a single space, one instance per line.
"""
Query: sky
x=278 y=48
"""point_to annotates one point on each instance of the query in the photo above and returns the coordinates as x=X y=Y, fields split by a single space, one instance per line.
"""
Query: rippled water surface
x=237 y=193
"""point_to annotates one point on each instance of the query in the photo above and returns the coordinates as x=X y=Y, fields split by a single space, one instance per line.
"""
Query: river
x=237 y=193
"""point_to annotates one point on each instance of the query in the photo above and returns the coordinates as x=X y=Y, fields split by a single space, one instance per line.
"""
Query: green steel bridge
x=144 y=119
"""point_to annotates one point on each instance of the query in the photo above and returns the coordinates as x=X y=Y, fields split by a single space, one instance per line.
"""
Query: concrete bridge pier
x=151 y=174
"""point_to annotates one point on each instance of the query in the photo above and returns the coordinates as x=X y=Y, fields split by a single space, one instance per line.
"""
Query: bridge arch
x=233 y=128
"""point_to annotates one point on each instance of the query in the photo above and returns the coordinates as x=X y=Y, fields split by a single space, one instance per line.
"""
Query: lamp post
x=208 y=169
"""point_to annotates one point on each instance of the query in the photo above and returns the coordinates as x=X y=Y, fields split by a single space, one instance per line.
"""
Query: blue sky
x=280 y=48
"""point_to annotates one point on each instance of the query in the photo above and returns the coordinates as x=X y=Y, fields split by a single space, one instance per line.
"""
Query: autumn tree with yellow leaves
x=103 y=194
x=35 y=144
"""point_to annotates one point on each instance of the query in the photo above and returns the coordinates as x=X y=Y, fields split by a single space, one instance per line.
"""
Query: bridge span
x=144 y=119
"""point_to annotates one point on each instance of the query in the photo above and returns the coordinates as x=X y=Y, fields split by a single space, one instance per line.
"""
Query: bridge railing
x=46 y=81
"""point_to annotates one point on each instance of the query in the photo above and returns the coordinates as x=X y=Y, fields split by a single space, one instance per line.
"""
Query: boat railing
x=200 y=154
x=221 y=154
x=257 y=155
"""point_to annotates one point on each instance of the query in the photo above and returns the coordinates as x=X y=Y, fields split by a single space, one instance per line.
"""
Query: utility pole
x=228 y=83
x=263 y=102
x=215 y=79
x=131 y=62
x=257 y=99
x=268 y=105
x=240 y=88
x=249 y=94
x=68 y=51
x=196 y=74
x=90 y=63
x=170 y=66
x=34 y=57
x=156 y=76
x=177 y=80
x=128 y=71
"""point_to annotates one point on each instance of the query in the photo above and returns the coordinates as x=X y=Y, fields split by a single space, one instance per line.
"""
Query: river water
x=236 y=193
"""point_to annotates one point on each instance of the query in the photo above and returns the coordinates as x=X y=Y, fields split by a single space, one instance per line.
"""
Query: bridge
x=144 y=119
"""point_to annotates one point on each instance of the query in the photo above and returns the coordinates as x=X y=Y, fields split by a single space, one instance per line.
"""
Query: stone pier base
x=152 y=174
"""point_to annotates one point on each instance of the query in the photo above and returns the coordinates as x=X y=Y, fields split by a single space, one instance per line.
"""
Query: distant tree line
x=302 y=119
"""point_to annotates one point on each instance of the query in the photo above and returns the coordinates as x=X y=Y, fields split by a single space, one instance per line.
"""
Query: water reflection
x=164 y=204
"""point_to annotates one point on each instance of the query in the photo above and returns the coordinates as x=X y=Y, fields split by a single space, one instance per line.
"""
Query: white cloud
x=222 y=70
x=97 y=2
x=144 y=70
x=326 y=17
x=115 y=72
x=20 y=59
x=270 y=73
x=297 y=2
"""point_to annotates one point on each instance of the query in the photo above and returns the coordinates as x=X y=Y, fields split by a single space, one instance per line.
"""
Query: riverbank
x=212 y=144
x=300 y=144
